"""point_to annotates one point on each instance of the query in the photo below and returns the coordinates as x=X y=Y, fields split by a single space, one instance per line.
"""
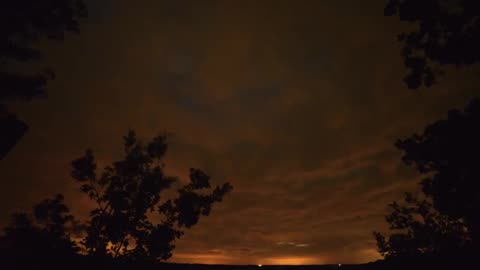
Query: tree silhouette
x=22 y=24
x=43 y=235
x=447 y=154
x=448 y=33
x=132 y=220
x=419 y=229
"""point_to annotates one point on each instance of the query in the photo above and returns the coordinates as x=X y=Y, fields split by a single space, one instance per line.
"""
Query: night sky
x=296 y=103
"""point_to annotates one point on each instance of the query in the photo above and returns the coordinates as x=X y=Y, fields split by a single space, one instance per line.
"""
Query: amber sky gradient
x=296 y=103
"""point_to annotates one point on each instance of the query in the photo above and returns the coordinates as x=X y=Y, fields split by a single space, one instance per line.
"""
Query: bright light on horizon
x=292 y=260
x=224 y=258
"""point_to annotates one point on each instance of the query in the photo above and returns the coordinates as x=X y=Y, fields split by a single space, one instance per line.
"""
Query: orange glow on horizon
x=292 y=260
x=202 y=258
x=196 y=258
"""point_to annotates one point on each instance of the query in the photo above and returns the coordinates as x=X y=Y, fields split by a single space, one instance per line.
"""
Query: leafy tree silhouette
x=419 y=229
x=132 y=220
x=446 y=219
x=41 y=236
x=22 y=23
x=448 y=33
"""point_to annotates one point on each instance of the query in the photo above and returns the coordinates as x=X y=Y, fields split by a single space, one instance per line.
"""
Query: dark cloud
x=297 y=103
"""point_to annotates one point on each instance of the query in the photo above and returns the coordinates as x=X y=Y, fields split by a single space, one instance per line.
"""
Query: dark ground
x=256 y=267
x=79 y=262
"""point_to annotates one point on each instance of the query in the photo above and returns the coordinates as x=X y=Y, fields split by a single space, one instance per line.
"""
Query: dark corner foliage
x=22 y=24
x=447 y=33
x=443 y=221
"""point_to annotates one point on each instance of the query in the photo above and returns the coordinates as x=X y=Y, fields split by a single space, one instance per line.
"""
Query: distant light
x=339 y=265
x=259 y=265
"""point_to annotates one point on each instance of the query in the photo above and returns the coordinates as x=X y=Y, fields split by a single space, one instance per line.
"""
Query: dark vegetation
x=128 y=194
x=447 y=33
x=137 y=218
x=22 y=24
x=442 y=223
x=439 y=228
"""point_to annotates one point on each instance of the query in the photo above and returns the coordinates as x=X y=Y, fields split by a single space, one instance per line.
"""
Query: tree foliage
x=447 y=33
x=417 y=229
x=447 y=154
x=44 y=233
x=137 y=214
x=22 y=24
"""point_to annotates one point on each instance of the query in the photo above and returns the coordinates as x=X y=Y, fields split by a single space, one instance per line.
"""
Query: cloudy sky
x=296 y=103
